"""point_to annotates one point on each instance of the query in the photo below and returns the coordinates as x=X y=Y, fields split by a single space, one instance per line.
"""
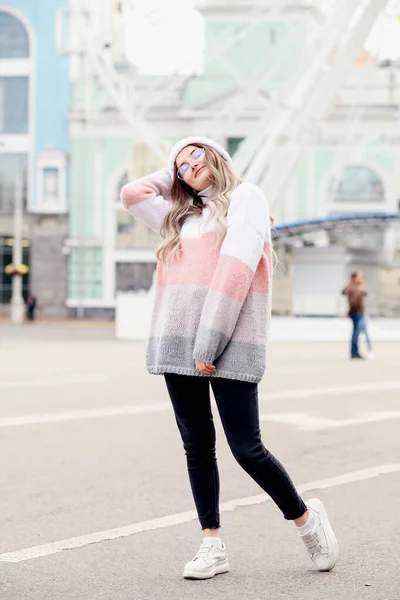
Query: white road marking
x=185 y=517
x=46 y=382
x=95 y=413
x=372 y=417
x=300 y=419
x=331 y=390
x=305 y=422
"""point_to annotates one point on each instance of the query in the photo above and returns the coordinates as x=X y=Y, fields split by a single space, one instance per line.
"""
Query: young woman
x=209 y=327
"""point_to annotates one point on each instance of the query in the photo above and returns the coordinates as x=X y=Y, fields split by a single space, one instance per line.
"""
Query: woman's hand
x=205 y=368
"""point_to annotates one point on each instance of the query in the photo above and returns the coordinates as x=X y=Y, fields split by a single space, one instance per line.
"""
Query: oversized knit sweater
x=212 y=302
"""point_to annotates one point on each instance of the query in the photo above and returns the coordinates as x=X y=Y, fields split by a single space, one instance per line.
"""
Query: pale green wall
x=383 y=157
x=83 y=200
x=85 y=264
x=87 y=92
x=81 y=188
x=322 y=160
x=303 y=188
x=275 y=45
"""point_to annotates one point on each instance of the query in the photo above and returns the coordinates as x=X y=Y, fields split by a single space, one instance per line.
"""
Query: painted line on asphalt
x=46 y=382
x=117 y=411
x=95 y=413
x=185 y=517
x=332 y=390
x=300 y=421
x=304 y=422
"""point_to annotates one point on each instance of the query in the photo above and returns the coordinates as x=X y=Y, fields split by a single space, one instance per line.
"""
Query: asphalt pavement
x=95 y=501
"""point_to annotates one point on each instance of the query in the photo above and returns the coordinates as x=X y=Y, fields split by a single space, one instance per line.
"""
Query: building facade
x=348 y=166
x=34 y=148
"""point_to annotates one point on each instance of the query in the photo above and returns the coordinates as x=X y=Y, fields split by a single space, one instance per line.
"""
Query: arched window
x=14 y=40
x=14 y=84
x=357 y=184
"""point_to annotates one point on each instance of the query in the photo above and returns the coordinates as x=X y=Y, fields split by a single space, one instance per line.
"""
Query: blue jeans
x=363 y=328
x=357 y=319
x=237 y=404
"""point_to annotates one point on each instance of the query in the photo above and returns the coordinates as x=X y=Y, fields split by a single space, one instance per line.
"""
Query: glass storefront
x=6 y=250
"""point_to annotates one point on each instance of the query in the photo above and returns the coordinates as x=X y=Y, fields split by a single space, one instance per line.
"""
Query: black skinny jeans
x=237 y=403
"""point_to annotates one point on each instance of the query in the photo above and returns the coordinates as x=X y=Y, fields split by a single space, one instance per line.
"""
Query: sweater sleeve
x=248 y=238
x=148 y=198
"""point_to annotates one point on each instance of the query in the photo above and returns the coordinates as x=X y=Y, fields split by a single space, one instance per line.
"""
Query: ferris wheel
x=270 y=151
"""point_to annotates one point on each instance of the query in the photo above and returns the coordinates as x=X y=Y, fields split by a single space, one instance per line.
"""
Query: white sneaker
x=321 y=542
x=370 y=355
x=209 y=561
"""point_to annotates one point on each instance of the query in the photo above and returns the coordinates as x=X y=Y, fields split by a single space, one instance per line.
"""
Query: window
x=14 y=41
x=357 y=183
x=131 y=233
x=51 y=189
x=233 y=144
x=50 y=185
x=85 y=273
x=134 y=276
x=13 y=169
x=14 y=104
x=123 y=181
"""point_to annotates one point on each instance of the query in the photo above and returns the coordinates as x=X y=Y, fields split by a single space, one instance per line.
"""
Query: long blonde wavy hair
x=186 y=203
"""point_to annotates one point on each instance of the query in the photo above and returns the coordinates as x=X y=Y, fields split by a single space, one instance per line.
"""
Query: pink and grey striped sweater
x=212 y=302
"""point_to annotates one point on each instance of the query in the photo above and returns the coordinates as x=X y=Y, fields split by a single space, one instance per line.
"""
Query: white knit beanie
x=203 y=141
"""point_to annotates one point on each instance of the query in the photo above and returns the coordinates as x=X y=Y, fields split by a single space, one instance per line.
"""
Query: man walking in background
x=355 y=294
